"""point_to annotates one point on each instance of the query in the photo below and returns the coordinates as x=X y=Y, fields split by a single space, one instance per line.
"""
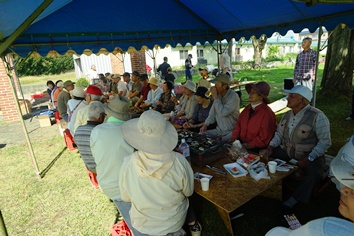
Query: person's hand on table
x=303 y=162
x=266 y=152
x=143 y=105
x=186 y=125
x=231 y=140
x=247 y=145
x=203 y=128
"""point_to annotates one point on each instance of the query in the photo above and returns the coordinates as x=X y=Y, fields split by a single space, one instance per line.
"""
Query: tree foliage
x=338 y=70
x=45 y=66
x=273 y=51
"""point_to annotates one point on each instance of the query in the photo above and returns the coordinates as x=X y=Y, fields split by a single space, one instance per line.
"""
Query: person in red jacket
x=256 y=125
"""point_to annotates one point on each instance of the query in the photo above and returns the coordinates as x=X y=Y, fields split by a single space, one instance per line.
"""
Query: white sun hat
x=342 y=166
x=150 y=133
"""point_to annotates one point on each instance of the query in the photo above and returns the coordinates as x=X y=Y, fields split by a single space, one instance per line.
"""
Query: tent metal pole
x=218 y=46
x=24 y=128
x=320 y=32
x=24 y=26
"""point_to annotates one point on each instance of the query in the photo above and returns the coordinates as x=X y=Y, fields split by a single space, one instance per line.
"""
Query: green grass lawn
x=64 y=203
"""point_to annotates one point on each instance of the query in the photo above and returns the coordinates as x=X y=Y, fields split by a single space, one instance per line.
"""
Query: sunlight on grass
x=43 y=79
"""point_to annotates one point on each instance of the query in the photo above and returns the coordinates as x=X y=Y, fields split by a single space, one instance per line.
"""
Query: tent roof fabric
x=110 y=25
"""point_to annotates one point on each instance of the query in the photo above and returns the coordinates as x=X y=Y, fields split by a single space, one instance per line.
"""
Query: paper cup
x=272 y=165
x=205 y=183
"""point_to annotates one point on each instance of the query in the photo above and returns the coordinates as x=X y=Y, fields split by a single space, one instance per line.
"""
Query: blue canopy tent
x=73 y=26
x=89 y=24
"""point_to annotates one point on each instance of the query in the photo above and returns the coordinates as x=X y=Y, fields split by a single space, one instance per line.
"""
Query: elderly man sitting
x=93 y=93
x=155 y=176
x=109 y=149
x=96 y=115
x=303 y=135
x=224 y=111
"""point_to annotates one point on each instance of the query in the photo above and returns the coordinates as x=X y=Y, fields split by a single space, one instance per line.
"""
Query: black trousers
x=313 y=174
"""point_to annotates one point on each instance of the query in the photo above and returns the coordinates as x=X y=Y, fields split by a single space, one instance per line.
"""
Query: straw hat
x=342 y=165
x=78 y=92
x=119 y=108
x=150 y=133
x=154 y=81
x=262 y=88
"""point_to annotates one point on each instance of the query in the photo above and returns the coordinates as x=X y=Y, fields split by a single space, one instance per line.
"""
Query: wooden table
x=227 y=193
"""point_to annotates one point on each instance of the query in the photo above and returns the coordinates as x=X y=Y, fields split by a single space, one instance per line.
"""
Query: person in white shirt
x=121 y=86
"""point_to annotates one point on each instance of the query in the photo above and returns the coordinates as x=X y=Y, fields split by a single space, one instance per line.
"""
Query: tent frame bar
x=23 y=125
x=23 y=26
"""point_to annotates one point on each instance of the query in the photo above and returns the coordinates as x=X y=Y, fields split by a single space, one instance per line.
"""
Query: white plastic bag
x=258 y=171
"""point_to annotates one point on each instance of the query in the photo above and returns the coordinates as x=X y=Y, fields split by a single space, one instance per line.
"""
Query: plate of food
x=251 y=158
x=235 y=170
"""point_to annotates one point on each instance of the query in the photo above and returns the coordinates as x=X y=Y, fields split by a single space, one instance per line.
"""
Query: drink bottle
x=184 y=150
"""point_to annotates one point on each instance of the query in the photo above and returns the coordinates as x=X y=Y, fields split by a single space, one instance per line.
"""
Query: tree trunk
x=338 y=70
x=258 y=46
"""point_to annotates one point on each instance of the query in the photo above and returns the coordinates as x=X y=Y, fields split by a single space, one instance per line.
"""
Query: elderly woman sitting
x=256 y=124
x=167 y=101
x=189 y=103
x=153 y=95
x=201 y=111
x=155 y=179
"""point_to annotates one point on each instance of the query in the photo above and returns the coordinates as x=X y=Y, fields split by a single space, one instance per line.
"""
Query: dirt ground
x=12 y=133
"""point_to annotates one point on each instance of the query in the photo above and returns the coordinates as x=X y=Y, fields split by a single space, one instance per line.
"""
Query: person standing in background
x=92 y=75
x=305 y=66
x=188 y=65
x=163 y=68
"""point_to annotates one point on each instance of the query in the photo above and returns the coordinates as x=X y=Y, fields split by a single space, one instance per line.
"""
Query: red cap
x=94 y=90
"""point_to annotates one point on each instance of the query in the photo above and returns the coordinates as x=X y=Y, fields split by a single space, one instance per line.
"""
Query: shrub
x=45 y=66
x=82 y=82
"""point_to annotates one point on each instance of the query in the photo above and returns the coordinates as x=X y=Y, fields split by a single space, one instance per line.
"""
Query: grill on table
x=203 y=149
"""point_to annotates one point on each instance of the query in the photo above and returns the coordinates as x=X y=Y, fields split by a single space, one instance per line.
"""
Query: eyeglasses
x=103 y=114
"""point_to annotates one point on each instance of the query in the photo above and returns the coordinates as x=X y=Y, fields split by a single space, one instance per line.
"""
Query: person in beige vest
x=303 y=135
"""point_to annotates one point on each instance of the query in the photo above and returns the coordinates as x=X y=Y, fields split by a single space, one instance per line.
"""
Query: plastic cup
x=272 y=165
x=205 y=183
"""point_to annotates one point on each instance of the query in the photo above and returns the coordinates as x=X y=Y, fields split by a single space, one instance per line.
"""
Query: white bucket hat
x=302 y=90
x=342 y=166
x=78 y=92
x=190 y=85
x=150 y=133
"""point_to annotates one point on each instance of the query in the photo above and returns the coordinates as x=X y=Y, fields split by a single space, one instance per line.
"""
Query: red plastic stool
x=93 y=179
x=121 y=229
x=57 y=116
x=69 y=140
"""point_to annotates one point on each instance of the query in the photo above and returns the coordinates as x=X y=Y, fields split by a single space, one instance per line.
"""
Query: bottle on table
x=184 y=150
